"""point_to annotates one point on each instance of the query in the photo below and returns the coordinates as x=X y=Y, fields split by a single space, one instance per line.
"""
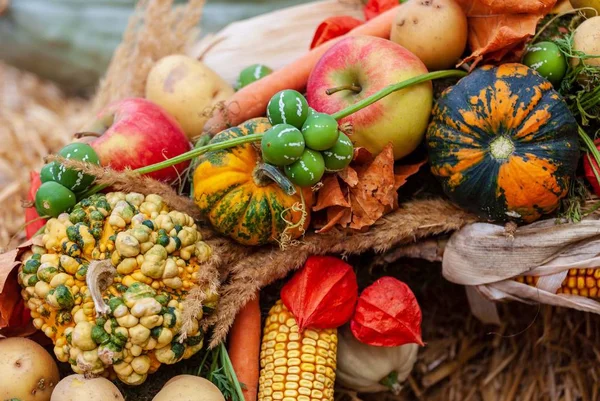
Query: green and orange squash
x=242 y=197
x=503 y=144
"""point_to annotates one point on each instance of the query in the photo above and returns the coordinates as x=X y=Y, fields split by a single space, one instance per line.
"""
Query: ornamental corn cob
x=296 y=366
x=583 y=282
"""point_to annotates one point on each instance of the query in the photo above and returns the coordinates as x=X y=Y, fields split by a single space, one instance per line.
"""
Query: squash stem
x=396 y=87
x=391 y=382
x=272 y=173
x=352 y=87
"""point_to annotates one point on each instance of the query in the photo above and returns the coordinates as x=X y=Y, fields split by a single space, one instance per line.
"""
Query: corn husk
x=487 y=259
x=274 y=39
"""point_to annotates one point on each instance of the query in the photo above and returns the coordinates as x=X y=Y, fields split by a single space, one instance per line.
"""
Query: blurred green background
x=71 y=41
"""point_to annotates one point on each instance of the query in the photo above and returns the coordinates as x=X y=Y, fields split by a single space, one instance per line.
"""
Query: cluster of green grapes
x=302 y=141
x=61 y=185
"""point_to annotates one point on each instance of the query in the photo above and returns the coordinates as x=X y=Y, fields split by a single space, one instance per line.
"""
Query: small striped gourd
x=239 y=200
x=503 y=144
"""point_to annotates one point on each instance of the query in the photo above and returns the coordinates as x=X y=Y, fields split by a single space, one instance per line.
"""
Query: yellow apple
x=187 y=89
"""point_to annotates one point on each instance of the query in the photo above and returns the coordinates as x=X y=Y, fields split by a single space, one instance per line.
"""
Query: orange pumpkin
x=240 y=195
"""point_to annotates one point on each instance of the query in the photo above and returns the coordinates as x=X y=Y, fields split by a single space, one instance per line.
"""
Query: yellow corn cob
x=296 y=366
x=584 y=282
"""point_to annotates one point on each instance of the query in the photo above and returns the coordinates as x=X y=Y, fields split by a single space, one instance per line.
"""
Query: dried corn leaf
x=499 y=29
x=359 y=195
x=483 y=256
x=282 y=37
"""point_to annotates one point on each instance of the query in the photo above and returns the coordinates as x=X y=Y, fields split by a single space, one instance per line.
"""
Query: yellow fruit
x=187 y=90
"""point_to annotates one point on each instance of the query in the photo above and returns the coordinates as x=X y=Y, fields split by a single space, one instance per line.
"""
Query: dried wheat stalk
x=157 y=29
x=35 y=120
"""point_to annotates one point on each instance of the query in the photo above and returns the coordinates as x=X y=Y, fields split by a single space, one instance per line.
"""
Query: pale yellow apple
x=587 y=40
x=187 y=89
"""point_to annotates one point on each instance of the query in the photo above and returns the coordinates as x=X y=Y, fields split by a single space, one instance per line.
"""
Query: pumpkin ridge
x=229 y=209
x=254 y=224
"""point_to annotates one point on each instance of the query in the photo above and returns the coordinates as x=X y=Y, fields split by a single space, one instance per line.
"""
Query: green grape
x=547 y=59
x=339 y=155
x=287 y=107
x=253 y=73
x=72 y=179
x=320 y=131
x=307 y=171
x=48 y=172
x=52 y=199
x=282 y=145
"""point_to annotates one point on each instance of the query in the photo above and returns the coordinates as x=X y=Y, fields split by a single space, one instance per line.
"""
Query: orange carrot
x=244 y=347
x=251 y=101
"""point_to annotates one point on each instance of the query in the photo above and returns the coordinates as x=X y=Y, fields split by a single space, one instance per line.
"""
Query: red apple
x=135 y=133
x=371 y=64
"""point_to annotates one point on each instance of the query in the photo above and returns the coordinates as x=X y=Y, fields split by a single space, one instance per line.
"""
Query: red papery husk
x=333 y=27
x=322 y=294
x=588 y=170
x=32 y=219
x=387 y=315
x=375 y=7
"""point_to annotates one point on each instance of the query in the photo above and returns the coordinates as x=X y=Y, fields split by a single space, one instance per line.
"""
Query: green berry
x=253 y=73
x=547 y=59
x=320 y=131
x=282 y=145
x=287 y=107
x=72 y=179
x=52 y=199
x=307 y=171
x=339 y=155
x=48 y=172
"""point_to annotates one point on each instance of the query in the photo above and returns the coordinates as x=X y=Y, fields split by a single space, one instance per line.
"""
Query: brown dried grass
x=157 y=29
x=538 y=354
x=36 y=119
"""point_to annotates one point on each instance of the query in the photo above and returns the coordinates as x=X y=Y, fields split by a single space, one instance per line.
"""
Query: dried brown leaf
x=359 y=195
x=499 y=29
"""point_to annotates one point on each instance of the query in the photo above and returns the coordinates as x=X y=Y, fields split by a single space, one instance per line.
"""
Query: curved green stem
x=396 y=87
x=183 y=157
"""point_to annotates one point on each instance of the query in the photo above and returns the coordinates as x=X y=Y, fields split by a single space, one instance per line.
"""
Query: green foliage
x=216 y=367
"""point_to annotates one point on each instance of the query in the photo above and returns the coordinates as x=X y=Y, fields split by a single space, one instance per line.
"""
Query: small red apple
x=135 y=133
x=369 y=64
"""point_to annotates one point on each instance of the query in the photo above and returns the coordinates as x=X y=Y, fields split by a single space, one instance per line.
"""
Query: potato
x=587 y=39
x=27 y=371
x=189 y=388
x=434 y=30
x=78 y=388
x=187 y=90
